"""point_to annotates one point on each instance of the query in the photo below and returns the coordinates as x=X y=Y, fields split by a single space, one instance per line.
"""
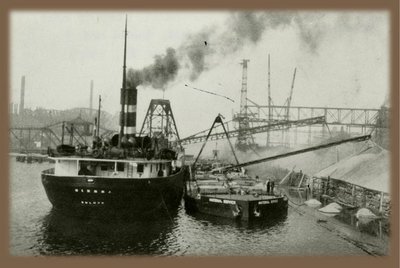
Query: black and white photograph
x=200 y=133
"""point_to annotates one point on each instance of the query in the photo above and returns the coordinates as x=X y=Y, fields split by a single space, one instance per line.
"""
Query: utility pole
x=269 y=102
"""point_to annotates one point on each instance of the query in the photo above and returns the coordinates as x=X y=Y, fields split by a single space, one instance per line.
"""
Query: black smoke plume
x=195 y=49
x=240 y=28
x=163 y=70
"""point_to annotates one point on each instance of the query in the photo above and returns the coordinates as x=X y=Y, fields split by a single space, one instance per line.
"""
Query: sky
x=341 y=57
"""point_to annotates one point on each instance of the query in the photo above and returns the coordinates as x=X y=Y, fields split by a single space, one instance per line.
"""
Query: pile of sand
x=332 y=208
x=365 y=213
x=369 y=169
x=313 y=203
x=310 y=162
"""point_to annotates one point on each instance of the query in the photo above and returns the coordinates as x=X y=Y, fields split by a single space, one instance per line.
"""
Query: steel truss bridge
x=353 y=117
x=201 y=136
x=284 y=118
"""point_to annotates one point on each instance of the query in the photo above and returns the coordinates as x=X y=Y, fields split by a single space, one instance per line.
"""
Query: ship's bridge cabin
x=138 y=168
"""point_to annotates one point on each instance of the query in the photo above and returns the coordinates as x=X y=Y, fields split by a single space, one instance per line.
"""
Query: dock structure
x=362 y=180
x=37 y=139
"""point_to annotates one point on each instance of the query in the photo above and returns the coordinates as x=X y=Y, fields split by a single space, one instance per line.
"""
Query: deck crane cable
x=165 y=206
x=209 y=92
x=218 y=119
x=289 y=100
x=206 y=130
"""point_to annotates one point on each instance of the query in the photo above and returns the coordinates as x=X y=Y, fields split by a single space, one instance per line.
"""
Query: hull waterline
x=102 y=196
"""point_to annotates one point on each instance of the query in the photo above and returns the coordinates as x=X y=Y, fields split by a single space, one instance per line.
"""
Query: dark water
x=35 y=229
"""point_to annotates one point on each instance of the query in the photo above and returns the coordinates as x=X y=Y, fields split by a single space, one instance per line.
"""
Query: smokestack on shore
x=91 y=98
x=22 y=99
x=15 y=108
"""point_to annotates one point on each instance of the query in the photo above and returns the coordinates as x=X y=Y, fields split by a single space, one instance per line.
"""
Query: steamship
x=131 y=174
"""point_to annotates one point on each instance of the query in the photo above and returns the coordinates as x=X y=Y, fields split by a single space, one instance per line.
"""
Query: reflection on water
x=37 y=229
x=276 y=220
x=66 y=235
x=70 y=235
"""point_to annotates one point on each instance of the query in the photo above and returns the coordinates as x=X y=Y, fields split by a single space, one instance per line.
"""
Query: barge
x=227 y=191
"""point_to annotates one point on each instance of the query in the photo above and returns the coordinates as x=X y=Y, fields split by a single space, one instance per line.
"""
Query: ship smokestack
x=22 y=99
x=130 y=116
x=128 y=102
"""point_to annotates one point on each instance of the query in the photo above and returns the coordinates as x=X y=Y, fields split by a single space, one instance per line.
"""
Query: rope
x=165 y=206
x=210 y=92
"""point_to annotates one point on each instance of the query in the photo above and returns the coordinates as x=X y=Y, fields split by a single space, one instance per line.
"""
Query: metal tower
x=269 y=102
x=244 y=137
x=160 y=122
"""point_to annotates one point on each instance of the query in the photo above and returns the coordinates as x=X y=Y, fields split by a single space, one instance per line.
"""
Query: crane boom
x=270 y=158
x=218 y=119
x=259 y=129
x=289 y=100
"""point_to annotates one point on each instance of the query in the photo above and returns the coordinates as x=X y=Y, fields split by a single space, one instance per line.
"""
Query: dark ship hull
x=241 y=207
x=102 y=196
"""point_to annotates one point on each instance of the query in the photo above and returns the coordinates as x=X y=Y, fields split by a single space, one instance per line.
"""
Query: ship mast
x=122 y=115
x=98 y=117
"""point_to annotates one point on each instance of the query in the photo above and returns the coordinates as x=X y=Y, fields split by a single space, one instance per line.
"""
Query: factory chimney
x=22 y=99
x=15 y=108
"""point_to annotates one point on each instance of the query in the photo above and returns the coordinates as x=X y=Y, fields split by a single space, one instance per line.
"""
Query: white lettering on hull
x=215 y=200
x=268 y=202
x=95 y=191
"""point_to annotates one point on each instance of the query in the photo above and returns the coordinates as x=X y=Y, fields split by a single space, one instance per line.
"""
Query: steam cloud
x=241 y=28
